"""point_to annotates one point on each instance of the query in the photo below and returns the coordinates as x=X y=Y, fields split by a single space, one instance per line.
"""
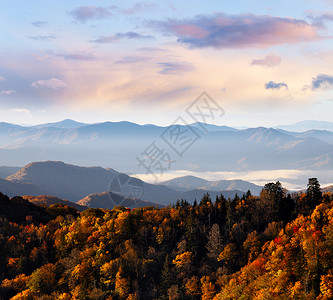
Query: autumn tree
x=43 y=279
x=122 y=285
x=207 y=288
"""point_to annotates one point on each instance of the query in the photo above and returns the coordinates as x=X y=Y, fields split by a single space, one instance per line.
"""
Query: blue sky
x=264 y=62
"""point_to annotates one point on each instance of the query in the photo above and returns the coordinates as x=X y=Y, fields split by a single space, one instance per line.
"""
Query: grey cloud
x=319 y=20
x=275 y=85
x=138 y=7
x=121 y=36
x=237 y=31
x=43 y=37
x=130 y=60
x=78 y=56
x=83 y=14
x=176 y=67
x=321 y=81
x=39 y=23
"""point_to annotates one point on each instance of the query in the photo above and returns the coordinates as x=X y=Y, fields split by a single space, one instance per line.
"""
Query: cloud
x=8 y=92
x=2 y=78
x=20 y=110
x=319 y=20
x=130 y=60
x=83 y=14
x=52 y=83
x=238 y=31
x=268 y=61
x=43 y=37
x=120 y=36
x=138 y=7
x=322 y=81
x=275 y=85
x=39 y=23
x=152 y=49
x=176 y=67
x=78 y=56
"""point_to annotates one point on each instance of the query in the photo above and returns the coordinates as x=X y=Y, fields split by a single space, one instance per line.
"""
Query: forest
x=278 y=245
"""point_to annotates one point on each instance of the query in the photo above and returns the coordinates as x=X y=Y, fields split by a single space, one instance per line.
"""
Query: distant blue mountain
x=66 y=124
x=307 y=125
x=120 y=144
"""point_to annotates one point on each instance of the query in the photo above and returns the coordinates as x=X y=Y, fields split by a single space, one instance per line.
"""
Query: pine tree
x=214 y=245
x=313 y=193
x=166 y=275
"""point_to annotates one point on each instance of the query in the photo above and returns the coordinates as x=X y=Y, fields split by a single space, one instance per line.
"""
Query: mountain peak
x=308 y=125
x=64 y=124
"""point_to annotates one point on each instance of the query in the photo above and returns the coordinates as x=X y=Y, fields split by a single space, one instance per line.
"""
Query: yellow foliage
x=182 y=259
x=192 y=286
x=122 y=286
x=326 y=287
x=207 y=288
x=228 y=254
x=25 y=295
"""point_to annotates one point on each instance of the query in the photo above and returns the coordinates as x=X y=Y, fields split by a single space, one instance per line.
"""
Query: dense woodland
x=275 y=246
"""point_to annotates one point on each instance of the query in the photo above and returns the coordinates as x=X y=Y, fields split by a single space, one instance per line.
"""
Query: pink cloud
x=8 y=92
x=189 y=30
x=268 y=61
x=239 y=31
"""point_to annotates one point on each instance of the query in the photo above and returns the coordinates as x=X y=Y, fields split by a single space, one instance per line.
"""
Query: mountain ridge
x=73 y=183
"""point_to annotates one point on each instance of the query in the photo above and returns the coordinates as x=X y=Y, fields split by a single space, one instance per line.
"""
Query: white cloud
x=7 y=92
x=52 y=83
x=20 y=110
x=2 y=78
x=291 y=179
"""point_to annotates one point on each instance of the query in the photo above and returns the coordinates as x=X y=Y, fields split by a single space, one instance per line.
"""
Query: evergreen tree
x=313 y=193
x=167 y=275
x=214 y=245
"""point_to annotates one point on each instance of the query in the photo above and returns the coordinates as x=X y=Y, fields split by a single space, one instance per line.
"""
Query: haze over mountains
x=291 y=156
x=106 y=188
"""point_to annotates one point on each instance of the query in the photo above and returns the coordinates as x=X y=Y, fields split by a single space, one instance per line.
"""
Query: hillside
x=49 y=200
x=187 y=183
x=6 y=171
x=74 y=183
x=109 y=200
x=17 y=209
x=12 y=189
x=275 y=246
x=328 y=189
x=64 y=180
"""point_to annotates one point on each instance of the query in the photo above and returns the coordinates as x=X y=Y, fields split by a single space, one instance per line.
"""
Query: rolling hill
x=49 y=200
x=109 y=200
x=12 y=189
x=96 y=184
x=187 y=183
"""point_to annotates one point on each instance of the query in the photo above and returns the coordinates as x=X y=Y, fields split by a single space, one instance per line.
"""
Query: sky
x=264 y=62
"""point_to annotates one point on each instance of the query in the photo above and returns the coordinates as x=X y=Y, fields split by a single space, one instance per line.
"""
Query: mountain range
x=210 y=148
x=308 y=125
x=106 y=188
